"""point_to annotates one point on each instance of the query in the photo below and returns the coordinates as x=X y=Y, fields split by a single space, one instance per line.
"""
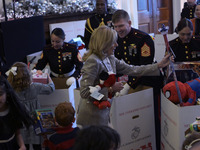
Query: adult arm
x=90 y=73
x=42 y=62
x=78 y=64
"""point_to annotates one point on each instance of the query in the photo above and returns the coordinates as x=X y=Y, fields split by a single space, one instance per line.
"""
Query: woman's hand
x=165 y=61
x=117 y=87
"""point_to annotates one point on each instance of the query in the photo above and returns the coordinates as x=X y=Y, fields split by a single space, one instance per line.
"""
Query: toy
x=190 y=92
x=106 y=80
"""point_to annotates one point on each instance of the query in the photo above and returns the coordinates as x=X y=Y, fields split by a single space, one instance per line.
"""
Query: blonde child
x=21 y=80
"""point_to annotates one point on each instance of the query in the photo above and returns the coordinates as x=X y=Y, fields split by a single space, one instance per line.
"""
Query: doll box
x=40 y=78
x=44 y=121
x=175 y=121
x=132 y=116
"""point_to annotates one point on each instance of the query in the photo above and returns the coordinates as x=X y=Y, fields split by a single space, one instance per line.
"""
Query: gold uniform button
x=186 y=47
x=176 y=39
x=194 y=37
x=135 y=33
x=186 y=52
x=129 y=82
x=190 y=16
x=191 y=13
x=125 y=47
x=58 y=52
x=59 y=69
x=187 y=57
x=129 y=62
x=59 y=57
x=133 y=79
x=126 y=58
x=124 y=42
x=59 y=66
x=59 y=61
x=125 y=53
x=117 y=53
x=134 y=55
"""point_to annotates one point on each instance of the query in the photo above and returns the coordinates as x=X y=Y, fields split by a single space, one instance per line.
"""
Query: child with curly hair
x=12 y=117
x=20 y=79
x=64 y=137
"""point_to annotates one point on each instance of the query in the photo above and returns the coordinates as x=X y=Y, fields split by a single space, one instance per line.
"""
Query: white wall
x=177 y=7
x=131 y=7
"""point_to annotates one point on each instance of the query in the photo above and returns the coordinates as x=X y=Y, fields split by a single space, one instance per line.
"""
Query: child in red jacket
x=64 y=136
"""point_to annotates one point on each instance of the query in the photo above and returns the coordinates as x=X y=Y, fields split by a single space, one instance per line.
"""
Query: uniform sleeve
x=89 y=76
x=42 y=61
x=144 y=70
x=78 y=64
x=183 y=13
x=44 y=88
x=87 y=33
x=147 y=50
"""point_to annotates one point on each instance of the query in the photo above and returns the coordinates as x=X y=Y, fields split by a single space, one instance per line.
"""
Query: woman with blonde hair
x=20 y=79
x=98 y=59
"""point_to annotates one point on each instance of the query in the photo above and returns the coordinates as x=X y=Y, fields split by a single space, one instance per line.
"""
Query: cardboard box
x=132 y=116
x=62 y=93
x=185 y=71
x=175 y=121
x=44 y=121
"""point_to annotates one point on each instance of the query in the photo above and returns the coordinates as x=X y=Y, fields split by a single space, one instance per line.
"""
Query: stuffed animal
x=190 y=92
x=106 y=80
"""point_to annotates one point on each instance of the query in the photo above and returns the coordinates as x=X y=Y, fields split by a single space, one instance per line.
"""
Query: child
x=97 y=138
x=12 y=115
x=192 y=142
x=64 y=137
x=21 y=81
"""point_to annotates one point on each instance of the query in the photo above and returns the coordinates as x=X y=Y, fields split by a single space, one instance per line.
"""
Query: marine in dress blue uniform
x=137 y=48
x=187 y=11
x=93 y=23
x=186 y=51
x=61 y=61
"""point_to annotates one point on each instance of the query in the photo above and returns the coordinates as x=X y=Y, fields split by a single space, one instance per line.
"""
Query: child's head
x=96 y=137
x=192 y=142
x=19 y=76
x=64 y=114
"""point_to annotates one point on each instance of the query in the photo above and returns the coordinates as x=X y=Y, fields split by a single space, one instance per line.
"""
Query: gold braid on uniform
x=89 y=25
x=102 y=22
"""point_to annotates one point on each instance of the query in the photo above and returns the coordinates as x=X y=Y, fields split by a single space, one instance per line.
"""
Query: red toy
x=190 y=92
x=106 y=80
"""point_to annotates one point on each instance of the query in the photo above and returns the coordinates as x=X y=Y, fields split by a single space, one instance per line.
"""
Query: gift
x=41 y=78
x=44 y=121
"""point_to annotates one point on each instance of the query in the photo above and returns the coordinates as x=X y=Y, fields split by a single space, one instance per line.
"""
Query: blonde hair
x=101 y=40
x=64 y=114
x=22 y=79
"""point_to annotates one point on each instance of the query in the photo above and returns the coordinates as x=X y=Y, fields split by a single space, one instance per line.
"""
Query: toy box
x=185 y=71
x=62 y=93
x=175 y=121
x=44 y=121
x=40 y=78
x=132 y=116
